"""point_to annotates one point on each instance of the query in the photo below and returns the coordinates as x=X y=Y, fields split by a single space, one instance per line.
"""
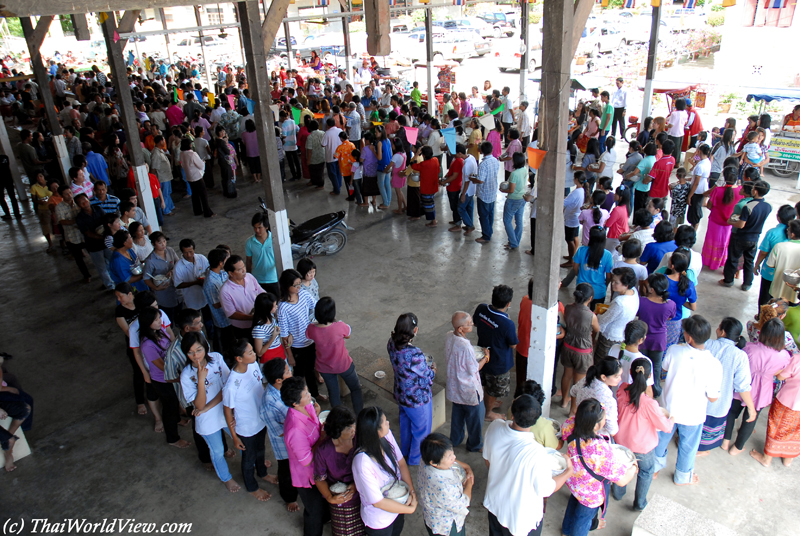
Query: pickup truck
x=502 y=23
x=304 y=50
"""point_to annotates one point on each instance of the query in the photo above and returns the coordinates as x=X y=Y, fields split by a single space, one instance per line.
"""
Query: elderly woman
x=413 y=378
x=158 y=268
x=124 y=260
x=301 y=431
x=333 y=462
x=378 y=463
x=442 y=494
x=194 y=168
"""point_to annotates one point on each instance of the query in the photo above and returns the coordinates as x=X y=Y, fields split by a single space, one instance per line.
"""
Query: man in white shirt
x=467 y=197
x=353 y=124
x=189 y=275
x=331 y=142
x=619 y=100
x=525 y=123
x=694 y=378
x=507 y=116
x=519 y=473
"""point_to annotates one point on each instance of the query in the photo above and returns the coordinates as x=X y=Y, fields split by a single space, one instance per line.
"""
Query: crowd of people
x=638 y=364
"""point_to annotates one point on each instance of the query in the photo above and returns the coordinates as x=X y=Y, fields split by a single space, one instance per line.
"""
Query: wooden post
x=81 y=27
x=8 y=150
x=258 y=82
x=432 y=107
x=206 y=66
x=119 y=76
x=376 y=20
x=651 y=62
x=163 y=18
x=557 y=54
x=524 y=34
x=288 y=45
x=34 y=37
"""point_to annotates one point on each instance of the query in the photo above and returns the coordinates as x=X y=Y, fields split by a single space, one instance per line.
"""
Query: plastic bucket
x=535 y=157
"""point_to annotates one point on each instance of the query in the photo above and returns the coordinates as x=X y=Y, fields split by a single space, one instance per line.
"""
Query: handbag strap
x=594 y=475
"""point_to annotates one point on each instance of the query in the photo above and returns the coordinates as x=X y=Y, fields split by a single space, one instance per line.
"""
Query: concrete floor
x=94 y=458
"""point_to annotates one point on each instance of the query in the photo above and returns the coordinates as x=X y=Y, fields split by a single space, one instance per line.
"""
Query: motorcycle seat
x=309 y=228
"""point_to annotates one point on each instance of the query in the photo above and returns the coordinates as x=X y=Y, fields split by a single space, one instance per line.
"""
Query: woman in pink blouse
x=301 y=432
x=640 y=420
x=595 y=469
x=783 y=429
x=767 y=358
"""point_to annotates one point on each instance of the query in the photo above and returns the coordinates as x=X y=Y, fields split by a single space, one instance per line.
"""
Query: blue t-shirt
x=119 y=268
x=773 y=237
x=674 y=295
x=594 y=276
x=497 y=332
x=654 y=252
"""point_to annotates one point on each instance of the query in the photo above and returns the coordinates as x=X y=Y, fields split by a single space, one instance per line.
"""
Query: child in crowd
x=679 y=192
x=617 y=223
x=357 y=169
x=631 y=251
x=266 y=333
x=656 y=207
x=751 y=152
x=694 y=378
x=628 y=351
x=593 y=215
x=655 y=310
x=576 y=353
x=621 y=311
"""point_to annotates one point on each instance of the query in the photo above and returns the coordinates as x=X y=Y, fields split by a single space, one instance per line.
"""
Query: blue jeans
x=415 y=425
x=644 y=478
x=214 y=442
x=335 y=176
x=466 y=211
x=578 y=518
x=602 y=140
x=486 y=217
x=99 y=261
x=166 y=191
x=655 y=356
x=351 y=380
x=513 y=209
x=385 y=187
x=188 y=187
x=689 y=441
x=471 y=417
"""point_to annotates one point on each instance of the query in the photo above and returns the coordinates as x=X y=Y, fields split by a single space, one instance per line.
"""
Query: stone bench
x=368 y=363
x=665 y=517
x=21 y=448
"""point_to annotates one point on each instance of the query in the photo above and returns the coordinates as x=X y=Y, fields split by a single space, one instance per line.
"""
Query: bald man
x=464 y=388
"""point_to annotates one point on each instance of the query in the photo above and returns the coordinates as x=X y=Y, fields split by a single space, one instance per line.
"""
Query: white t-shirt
x=678 y=120
x=470 y=168
x=609 y=158
x=357 y=170
x=702 y=170
x=186 y=272
x=398 y=159
x=242 y=393
x=693 y=376
x=695 y=262
x=516 y=462
x=133 y=330
x=213 y=420
x=626 y=359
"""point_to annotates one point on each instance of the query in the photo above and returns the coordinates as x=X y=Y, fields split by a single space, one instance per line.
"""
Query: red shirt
x=524 y=325
x=455 y=167
x=617 y=222
x=155 y=185
x=660 y=176
x=428 y=176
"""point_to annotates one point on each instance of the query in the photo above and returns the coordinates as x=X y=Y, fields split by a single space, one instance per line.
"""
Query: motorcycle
x=323 y=235
x=632 y=130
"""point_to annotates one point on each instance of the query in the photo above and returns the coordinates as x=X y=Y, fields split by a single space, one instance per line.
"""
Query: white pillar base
x=63 y=154
x=542 y=351
x=146 y=201
x=281 y=239
x=647 y=100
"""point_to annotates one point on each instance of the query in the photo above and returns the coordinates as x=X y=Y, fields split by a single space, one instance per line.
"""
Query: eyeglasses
x=297 y=285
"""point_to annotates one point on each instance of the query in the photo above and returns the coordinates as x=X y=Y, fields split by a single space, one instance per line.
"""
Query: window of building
x=216 y=15
x=770 y=13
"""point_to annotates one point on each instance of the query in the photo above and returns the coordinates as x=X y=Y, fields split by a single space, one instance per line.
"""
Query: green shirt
x=416 y=96
x=605 y=119
x=738 y=211
x=644 y=168
x=518 y=177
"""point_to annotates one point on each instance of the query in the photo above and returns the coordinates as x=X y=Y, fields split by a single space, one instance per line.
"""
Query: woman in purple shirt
x=369 y=186
x=377 y=464
x=413 y=379
x=333 y=461
x=655 y=309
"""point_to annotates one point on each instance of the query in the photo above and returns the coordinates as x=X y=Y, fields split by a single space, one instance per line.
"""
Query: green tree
x=14 y=26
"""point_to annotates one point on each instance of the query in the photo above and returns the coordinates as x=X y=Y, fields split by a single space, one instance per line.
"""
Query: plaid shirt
x=66 y=212
x=273 y=411
x=487 y=172
x=174 y=363
x=211 y=286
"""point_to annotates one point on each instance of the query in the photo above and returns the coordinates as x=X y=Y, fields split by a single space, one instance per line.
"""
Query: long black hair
x=733 y=331
x=598 y=198
x=608 y=366
x=404 y=330
x=590 y=412
x=660 y=285
x=597 y=247
x=369 y=442
x=679 y=263
x=593 y=147
x=262 y=311
x=583 y=292
x=640 y=372
x=147 y=316
x=286 y=281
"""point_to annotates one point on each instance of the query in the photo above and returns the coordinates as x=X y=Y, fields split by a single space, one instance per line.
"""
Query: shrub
x=716 y=19
x=535 y=18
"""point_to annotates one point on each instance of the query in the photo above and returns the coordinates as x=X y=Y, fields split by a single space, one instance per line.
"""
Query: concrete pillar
x=432 y=107
x=524 y=31
x=557 y=39
x=288 y=35
x=209 y=86
x=258 y=81
x=8 y=150
x=651 y=62
x=119 y=77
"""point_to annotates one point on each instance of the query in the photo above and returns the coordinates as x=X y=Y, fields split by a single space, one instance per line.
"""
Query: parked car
x=501 y=24
x=447 y=45
x=508 y=62
x=476 y=25
x=598 y=39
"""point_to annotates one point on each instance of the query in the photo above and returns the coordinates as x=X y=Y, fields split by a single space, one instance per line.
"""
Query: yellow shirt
x=543 y=432
x=41 y=192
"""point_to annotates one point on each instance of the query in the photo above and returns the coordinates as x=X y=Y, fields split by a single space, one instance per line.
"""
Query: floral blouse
x=442 y=497
x=412 y=375
x=603 y=394
x=600 y=457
